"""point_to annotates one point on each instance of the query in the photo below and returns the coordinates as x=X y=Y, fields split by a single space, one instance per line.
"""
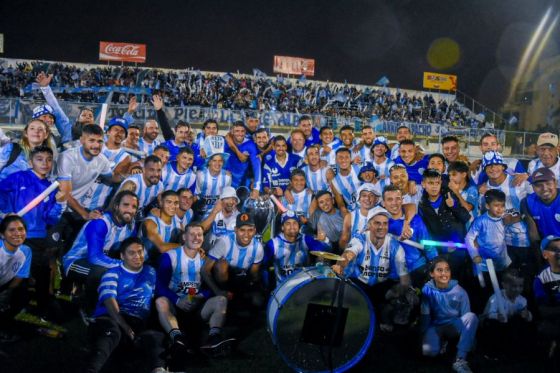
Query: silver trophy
x=262 y=210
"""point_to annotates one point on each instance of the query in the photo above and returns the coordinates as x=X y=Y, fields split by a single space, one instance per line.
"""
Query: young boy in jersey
x=121 y=317
x=506 y=321
x=178 y=174
x=486 y=239
x=15 y=264
x=546 y=288
x=182 y=298
x=466 y=191
x=16 y=191
x=163 y=233
x=445 y=313
x=380 y=160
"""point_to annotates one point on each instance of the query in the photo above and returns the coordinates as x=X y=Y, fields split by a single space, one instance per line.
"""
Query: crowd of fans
x=191 y=87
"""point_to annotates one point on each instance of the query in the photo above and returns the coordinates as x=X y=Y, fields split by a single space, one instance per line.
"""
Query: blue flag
x=258 y=73
x=383 y=81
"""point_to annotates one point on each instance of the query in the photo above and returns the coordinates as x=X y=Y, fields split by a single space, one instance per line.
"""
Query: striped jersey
x=14 y=263
x=173 y=180
x=347 y=186
x=364 y=153
x=209 y=188
x=147 y=147
x=489 y=233
x=241 y=257
x=302 y=202
x=316 y=180
x=536 y=164
x=168 y=232
x=132 y=290
x=185 y=272
x=358 y=222
x=383 y=170
x=145 y=193
x=223 y=225
x=372 y=265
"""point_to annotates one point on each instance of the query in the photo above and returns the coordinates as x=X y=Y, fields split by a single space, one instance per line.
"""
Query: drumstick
x=38 y=199
x=278 y=204
x=496 y=287
x=103 y=115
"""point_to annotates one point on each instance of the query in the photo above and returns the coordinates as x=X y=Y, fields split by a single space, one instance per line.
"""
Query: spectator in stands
x=547 y=150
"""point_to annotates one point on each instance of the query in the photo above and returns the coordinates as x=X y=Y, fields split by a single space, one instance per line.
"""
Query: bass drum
x=320 y=322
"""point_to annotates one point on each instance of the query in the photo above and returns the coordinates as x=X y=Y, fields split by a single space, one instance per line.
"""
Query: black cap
x=244 y=219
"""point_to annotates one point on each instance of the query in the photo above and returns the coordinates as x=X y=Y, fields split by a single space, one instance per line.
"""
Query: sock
x=174 y=333
x=215 y=331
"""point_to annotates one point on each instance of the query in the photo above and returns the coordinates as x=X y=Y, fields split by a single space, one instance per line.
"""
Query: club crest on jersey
x=557 y=217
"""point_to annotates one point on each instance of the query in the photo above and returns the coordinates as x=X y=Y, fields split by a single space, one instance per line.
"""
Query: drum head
x=324 y=325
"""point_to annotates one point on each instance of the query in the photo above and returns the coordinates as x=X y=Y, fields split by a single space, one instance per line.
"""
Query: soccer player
x=346 y=134
x=403 y=133
x=221 y=220
x=131 y=143
x=362 y=152
x=243 y=154
x=147 y=185
x=289 y=251
x=182 y=130
x=381 y=163
x=346 y=182
x=180 y=294
x=210 y=183
x=232 y=265
x=163 y=233
x=90 y=256
x=414 y=161
x=311 y=133
x=178 y=174
x=148 y=142
x=278 y=167
x=445 y=313
x=185 y=212
x=315 y=173
x=15 y=264
x=329 y=145
x=356 y=221
x=121 y=316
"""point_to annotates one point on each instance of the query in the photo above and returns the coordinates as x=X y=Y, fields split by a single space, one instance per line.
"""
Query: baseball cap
x=368 y=166
x=116 y=121
x=244 y=219
x=229 y=192
x=289 y=215
x=368 y=187
x=542 y=174
x=380 y=140
x=547 y=240
x=492 y=157
x=547 y=138
x=42 y=110
x=377 y=210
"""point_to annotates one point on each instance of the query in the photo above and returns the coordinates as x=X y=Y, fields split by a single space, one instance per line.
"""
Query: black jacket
x=448 y=223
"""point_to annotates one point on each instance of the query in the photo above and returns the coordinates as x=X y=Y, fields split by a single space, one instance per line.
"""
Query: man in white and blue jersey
x=329 y=145
x=362 y=152
x=356 y=221
x=315 y=173
x=416 y=259
x=147 y=185
x=541 y=210
x=182 y=130
x=148 y=142
x=90 y=256
x=380 y=161
x=301 y=196
x=221 y=220
x=119 y=162
x=376 y=262
x=346 y=182
x=185 y=212
x=412 y=159
x=297 y=140
x=210 y=182
x=181 y=292
x=289 y=251
x=163 y=233
x=243 y=153
x=124 y=305
x=78 y=168
x=305 y=123
x=516 y=232
x=178 y=174
x=403 y=133
x=346 y=134
x=232 y=265
x=278 y=167
x=15 y=266
x=547 y=150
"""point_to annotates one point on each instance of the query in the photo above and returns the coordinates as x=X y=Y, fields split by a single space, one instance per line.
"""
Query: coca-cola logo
x=125 y=50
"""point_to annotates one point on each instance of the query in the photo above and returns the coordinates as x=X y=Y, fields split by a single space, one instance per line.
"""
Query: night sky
x=354 y=40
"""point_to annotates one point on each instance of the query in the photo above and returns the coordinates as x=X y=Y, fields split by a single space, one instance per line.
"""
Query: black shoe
x=217 y=345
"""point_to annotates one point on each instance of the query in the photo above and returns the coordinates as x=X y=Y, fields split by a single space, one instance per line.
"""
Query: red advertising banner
x=127 y=52
x=294 y=65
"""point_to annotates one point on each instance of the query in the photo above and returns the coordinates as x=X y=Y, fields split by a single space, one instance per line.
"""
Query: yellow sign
x=440 y=81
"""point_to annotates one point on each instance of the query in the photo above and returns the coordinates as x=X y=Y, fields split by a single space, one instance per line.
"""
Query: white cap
x=368 y=187
x=377 y=210
x=229 y=192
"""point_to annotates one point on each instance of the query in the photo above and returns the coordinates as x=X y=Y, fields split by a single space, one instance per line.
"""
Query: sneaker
x=217 y=345
x=461 y=366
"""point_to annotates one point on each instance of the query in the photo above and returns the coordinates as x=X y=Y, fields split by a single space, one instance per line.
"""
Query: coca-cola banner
x=127 y=52
x=294 y=65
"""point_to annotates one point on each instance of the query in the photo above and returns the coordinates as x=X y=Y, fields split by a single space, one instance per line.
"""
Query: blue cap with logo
x=116 y=121
x=289 y=215
x=42 y=110
x=492 y=157
x=380 y=140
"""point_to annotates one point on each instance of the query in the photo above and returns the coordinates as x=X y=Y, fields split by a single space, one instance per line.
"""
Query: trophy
x=262 y=210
